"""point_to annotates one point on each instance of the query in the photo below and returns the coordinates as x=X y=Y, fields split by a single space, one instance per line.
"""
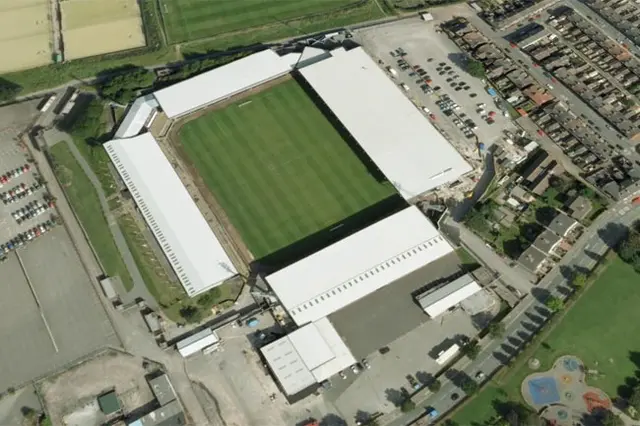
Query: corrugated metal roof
x=197 y=342
x=402 y=142
x=191 y=247
x=437 y=302
x=358 y=265
x=137 y=117
x=223 y=82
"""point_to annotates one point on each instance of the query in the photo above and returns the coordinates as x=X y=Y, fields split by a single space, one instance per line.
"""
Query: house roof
x=532 y=258
x=561 y=224
x=546 y=241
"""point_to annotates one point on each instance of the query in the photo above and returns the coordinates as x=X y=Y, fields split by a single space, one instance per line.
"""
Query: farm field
x=196 y=19
x=596 y=329
x=25 y=34
x=278 y=168
x=95 y=27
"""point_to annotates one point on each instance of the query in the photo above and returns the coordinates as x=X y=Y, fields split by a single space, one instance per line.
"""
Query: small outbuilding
x=108 y=403
x=437 y=301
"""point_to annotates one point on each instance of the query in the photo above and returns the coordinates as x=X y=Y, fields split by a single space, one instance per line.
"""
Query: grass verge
x=84 y=200
x=596 y=329
x=167 y=291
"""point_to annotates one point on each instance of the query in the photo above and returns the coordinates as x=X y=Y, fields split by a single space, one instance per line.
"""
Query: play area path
x=562 y=395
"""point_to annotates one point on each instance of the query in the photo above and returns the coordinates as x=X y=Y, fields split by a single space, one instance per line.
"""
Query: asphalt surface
x=524 y=321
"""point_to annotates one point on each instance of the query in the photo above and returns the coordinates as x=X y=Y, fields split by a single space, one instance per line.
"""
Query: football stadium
x=317 y=150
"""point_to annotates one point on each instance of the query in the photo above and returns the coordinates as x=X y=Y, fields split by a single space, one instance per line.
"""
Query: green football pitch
x=278 y=167
x=195 y=19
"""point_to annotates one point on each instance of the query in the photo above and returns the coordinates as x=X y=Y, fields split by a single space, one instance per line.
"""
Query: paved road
x=139 y=343
x=578 y=107
x=524 y=321
x=513 y=275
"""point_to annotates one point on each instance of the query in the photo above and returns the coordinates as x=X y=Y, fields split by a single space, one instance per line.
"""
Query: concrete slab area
x=421 y=42
x=391 y=318
x=55 y=320
x=391 y=312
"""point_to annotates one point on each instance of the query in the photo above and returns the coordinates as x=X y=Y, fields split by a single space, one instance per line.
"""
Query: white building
x=195 y=343
x=223 y=82
x=307 y=356
x=397 y=136
x=436 y=302
x=139 y=116
x=191 y=247
x=358 y=265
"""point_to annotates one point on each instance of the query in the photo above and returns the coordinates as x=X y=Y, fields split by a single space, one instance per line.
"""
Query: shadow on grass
x=344 y=133
x=329 y=235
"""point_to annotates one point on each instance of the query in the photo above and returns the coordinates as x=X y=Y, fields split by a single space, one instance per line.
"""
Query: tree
x=496 y=329
x=469 y=386
x=627 y=102
x=8 y=90
x=579 y=280
x=634 y=399
x=611 y=419
x=407 y=405
x=629 y=249
x=123 y=87
x=554 y=303
x=471 y=350
x=475 y=68
x=191 y=314
x=435 y=386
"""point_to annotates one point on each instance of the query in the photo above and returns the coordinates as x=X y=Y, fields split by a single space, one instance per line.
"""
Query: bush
x=469 y=387
x=496 y=329
x=191 y=314
x=435 y=386
x=475 y=68
x=471 y=350
x=407 y=405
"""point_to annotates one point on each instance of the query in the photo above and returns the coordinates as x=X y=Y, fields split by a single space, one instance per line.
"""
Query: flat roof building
x=308 y=356
x=437 y=301
x=194 y=252
x=197 y=342
x=167 y=415
x=358 y=265
x=162 y=389
x=400 y=140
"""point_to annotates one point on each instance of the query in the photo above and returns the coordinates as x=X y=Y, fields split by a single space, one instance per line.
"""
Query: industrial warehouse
x=324 y=294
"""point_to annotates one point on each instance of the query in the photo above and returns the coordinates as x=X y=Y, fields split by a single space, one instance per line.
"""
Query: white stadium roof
x=358 y=265
x=400 y=140
x=437 y=302
x=188 y=242
x=223 y=82
x=309 y=355
x=138 y=117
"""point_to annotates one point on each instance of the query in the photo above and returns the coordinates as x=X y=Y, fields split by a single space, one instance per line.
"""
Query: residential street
x=526 y=318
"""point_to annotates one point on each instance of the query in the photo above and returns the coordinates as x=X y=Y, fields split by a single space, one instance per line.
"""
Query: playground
x=561 y=393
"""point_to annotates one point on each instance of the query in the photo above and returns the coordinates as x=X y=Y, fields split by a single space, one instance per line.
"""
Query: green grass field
x=598 y=329
x=278 y=167
x=84 y=200
x=195 y=19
